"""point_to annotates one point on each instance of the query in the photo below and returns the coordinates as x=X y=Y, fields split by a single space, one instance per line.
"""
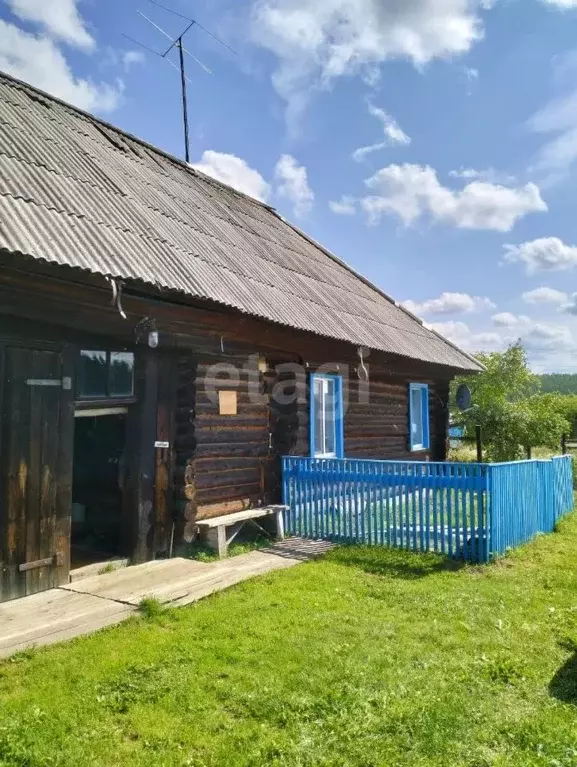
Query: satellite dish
x=463 y=397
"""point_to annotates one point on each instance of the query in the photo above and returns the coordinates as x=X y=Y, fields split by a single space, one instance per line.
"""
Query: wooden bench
x=215 y=529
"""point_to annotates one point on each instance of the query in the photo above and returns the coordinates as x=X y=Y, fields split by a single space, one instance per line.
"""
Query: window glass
x=325 y=418
x=419 y=416
x=92 y=374
x=121 y=374
x=104 y=374
x=318 y=393
x=330 y=417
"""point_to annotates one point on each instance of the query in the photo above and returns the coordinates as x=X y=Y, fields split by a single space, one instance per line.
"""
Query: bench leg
x=216 y=539
x=280 y=525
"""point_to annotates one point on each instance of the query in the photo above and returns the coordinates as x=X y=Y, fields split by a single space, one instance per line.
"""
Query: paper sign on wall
x=227 y=403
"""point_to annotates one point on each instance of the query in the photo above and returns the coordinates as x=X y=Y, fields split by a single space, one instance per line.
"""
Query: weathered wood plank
x=93 y=603
x=139 y=513
x=3 y=508
x=165 y=457
x=64 y=470
x=241 y=516
x=53 y=616
x=16 y=468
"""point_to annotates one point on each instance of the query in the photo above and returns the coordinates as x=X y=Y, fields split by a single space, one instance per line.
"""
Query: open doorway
x=98 y=486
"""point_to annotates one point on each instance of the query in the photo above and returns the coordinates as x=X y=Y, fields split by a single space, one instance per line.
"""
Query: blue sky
x=431 y=144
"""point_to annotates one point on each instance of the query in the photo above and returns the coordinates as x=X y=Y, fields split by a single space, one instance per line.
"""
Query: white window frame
x=337 y=415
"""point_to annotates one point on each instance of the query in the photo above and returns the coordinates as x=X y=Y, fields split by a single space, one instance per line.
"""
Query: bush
x=508 y=407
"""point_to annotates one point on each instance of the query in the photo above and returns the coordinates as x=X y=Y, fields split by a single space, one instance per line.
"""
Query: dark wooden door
x=36 y=443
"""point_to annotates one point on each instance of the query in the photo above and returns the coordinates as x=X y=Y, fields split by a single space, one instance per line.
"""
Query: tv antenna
x=177 y=42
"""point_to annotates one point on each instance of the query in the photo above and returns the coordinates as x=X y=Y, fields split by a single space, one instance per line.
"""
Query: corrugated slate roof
x=76 y=191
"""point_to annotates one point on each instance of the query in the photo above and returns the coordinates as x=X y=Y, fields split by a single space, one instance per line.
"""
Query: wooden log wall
x=379 y=428
x=225 y=463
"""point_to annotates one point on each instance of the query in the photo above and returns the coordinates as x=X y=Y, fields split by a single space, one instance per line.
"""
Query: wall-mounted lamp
x=153 y=338
x=145 y=329
x=262 y=365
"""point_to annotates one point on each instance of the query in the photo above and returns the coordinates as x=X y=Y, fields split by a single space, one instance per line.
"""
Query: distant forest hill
x=560 y=383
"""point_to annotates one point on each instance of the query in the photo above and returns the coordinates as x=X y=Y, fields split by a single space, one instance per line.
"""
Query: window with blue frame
x=326 y=416
x=419 y=416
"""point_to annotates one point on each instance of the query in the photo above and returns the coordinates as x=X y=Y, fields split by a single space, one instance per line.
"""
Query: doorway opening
x=99 y=472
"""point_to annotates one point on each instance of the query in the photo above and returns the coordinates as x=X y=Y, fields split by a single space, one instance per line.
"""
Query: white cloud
x=570 y=305
x=462 y=335
x=393 y=134
x=546 y=254
x=504 y=320
x=550 y=347
x=293 y=184
x=485 y=342
x=468 y=174
x=471 y=77
x=291 y=178
x=39 y=61
x=564 y=67
x=548 y=338
x=132 y=57
x=564 y=5
x=232 y=170
x=508 y=320
x=544 y=296
x=318 y=42
x=60 y=19
x=458 y=332
x=411 y=191
x=558 y=119
x=346 y=206
x=488 y=174
x=449 y=303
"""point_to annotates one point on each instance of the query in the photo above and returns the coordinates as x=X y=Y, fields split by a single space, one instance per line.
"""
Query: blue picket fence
x=466 y=510
x=527 y=497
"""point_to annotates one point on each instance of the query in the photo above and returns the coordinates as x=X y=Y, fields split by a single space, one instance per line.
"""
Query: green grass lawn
x=368 y=657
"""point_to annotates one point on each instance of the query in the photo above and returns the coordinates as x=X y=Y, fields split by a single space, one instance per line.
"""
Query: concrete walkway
x=89 y=604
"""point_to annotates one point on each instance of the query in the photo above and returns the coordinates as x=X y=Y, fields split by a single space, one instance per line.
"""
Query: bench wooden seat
x=219 y=532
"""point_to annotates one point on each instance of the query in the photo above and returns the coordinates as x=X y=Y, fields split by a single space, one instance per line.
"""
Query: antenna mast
x=184 y=101
x=177 y=42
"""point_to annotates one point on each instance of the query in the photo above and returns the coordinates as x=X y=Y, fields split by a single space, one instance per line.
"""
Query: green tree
x=508 y=407
x=544 y=423
x=559 y=383
x=568 y=408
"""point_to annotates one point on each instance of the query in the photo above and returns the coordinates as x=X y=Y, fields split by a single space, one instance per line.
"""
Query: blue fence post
x=492 y=546
x=285 y=495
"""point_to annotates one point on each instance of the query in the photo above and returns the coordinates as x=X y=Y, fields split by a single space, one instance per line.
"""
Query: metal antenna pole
x=184 y=101
x=178 y=43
